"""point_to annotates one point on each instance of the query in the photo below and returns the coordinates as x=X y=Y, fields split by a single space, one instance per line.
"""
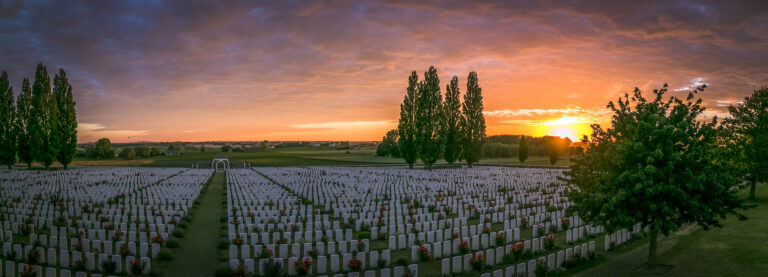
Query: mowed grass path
x=197 y=254
x=738 y=249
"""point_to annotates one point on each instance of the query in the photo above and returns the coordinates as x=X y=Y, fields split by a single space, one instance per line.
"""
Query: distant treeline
x=507 y=146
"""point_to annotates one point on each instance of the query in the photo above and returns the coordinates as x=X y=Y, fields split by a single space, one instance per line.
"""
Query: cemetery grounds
x=353 y=221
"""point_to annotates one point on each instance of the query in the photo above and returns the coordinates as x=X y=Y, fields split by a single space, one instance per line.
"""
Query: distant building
x=171 y=152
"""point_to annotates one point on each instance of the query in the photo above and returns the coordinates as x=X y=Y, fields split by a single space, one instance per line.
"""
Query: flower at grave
x=236 y=221
x=566 y=223
x=250 y=214
x=414 y=230
x=33 y=256
x=549 y=217
x=532 y=212
x=271 y=221
x=500 y=240
x=157 y=239
x=423 y=253
x=37 y=243
x=173 y=220
x=477 y=262
x=302 y=267
x=239 y=271
x=144 y=229
x=25 y=229
x=517 y=250
x=109 y=227
x=266 y=253
x=324 y=238
x=549 y=241
x=447 y=224
x=541 y=268
x=238 y=241
x=28 y=271
x=283 y=213
x=523 y=222
x=355 y=264
x=409 y=273
x=464 y=247
x=255 y=229
x=383 y=208
x=282 y=241
x=380 y=222
x=500 y=209
x=313 y=252
x=125 y=250
x=294 y=228
x=360 y=246
x=78 y=246
x=303 y=219
x=454 y=235
x=382 y=235
x=487 y=229
x=137 y=266
x=79 y=265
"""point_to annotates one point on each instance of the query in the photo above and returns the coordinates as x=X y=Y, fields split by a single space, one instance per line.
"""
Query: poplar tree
x=45 y=139
x=23 y=126
x=66 y=127
x=522 y=149
x=657 y=165
x=473 y=121
x=429 y=118
x=452 y=113
x=748 y=129
x=406 y=127
x=7 y=122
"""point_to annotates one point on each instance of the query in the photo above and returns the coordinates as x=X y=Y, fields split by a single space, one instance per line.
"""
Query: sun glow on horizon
x=572 y=127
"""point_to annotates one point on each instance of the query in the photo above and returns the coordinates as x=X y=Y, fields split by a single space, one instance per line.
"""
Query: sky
x=338 y=70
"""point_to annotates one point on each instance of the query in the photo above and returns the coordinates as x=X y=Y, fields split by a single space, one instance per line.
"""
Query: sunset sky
x=316 y=70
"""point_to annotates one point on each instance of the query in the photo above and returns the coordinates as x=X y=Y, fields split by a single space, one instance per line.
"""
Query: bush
x=164 y=255
x=109 y=267
x=182 y=225
x=172 y=243
x=178 y=233
x=364 y=235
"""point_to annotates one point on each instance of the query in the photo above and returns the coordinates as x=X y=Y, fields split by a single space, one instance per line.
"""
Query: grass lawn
x=295 y=156
x=196 y=255
x=738 y=249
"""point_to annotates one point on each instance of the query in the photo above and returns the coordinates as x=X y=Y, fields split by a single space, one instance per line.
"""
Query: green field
x=294 y=156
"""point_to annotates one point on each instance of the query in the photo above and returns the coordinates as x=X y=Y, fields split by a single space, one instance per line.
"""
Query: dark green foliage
x=172 y=243
x=452 y=118
x=473 y=121
x=45 y=141
x=23 y=127
x=406 y=126
x=657 y=165
x=164 y=255
x=224 y=271
x=388 y=145
x=273 y=268
x=401 y=262
x=553 y=152
x=497 y=150
x=522 y=150
x=143 y=152
x=155 y=151
x=127 y=153
x=429 y=117
x=7 y=122
x=101 y=150
x=178 y=233
x=109 y=267
x=746 y=132
x=66 y=125
x=224 y=148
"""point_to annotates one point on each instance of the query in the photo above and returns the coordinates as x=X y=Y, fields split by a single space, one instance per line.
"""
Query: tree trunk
x=752 y=188
x=410 y=166
x=652 y=248
x=469 y=164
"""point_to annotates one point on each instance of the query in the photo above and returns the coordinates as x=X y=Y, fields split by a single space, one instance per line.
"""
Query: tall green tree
x=451 y=127
x=66 y=127
x=7 y=122
x=388 y=145
x=553 y=151
x=657 y=165
x=23 y=126
x=103 y=149
x=429 y=118
x=522 y=149
x=473 y=121
x=748 y=129
x=44 y=119
x=406 y=126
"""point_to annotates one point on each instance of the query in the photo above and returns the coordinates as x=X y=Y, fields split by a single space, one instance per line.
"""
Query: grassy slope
x=738 y=249
x=197 y=254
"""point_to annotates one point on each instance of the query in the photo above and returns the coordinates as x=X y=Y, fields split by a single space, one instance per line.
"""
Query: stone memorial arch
x=222 y=160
